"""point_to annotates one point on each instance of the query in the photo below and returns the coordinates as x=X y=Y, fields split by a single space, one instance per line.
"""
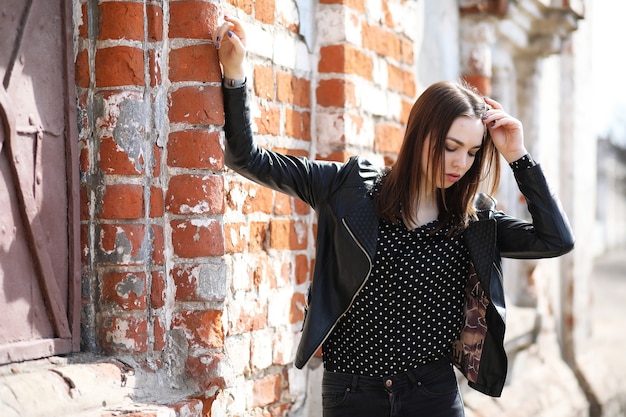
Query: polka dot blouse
x=411 y=308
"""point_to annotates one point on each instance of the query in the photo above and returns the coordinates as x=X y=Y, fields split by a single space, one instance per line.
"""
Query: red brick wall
x=176 y=246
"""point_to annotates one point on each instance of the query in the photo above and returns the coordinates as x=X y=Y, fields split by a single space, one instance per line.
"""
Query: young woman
x=407 y=278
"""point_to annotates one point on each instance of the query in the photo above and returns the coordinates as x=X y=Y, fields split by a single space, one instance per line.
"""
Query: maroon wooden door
x=39 y=238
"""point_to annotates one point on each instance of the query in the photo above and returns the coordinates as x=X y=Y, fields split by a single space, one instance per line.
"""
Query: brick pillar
x=119 y=239
x=477 y=38
x=366 y=80
x=152 y=188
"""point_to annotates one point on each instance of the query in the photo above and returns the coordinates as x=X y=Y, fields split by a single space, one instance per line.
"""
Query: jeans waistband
x=413 y=377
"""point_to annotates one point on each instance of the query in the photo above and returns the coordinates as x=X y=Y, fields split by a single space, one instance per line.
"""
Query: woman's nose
x=460 y=161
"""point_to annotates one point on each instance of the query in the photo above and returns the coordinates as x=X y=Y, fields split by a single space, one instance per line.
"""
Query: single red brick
x=190 y=63
x=266 y=390
x=388 y=137
x=154 y=69
x=264 y=11
x=84 y=121
x=245 y=5
x=298 y=124
x=258 y=235
x=345 y=59
x=293 y=90
x=121 y=243
x=296 y=313
x=301 y=207
x=259 y=199
x=84 y=243
x=262 y=272
x=203 y=328
x=157 y=293
x=156 y=157
x=83 y=28
x=335 y=93
x=401 y=80
x=158 y=245
x=264 y=83
x=157 y=202
x=185 y=282
x=406 y=111
x=381 y=40
x=269 y=121
x=154 y=16
x=195 y=149
x=302 y=269
x=193 y=19
x=282 y=205
x=481 y=82
x=122 y=201
x=236 y=241
x=288 y=234
x=193 y=105
x=118 y=66
x=85 y=202
x=159 y=333
x=123 y=334
x=83 y=76
x=195 y=194
x=121 y=20
x=247 y=317
x=197 y=238
x=114 y=160
x=204 y=371
x=407 y=52
x=126 y=290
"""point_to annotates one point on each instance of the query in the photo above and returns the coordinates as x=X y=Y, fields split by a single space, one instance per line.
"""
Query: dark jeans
x=428 y=391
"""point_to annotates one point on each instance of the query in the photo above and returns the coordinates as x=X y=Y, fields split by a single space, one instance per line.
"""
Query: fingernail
x=219 y=38
x=493 y=123
x=230 y=34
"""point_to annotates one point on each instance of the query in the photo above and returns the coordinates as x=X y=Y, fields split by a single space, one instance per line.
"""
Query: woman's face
x=463 y=140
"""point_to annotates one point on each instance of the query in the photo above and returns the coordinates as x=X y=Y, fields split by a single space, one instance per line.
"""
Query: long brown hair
x=430 y=119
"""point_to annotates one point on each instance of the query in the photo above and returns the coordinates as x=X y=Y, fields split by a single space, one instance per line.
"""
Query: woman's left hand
x=230 y=41
x=506 y=131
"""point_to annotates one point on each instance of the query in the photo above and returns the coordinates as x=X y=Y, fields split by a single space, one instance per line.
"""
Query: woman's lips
x=453 y=177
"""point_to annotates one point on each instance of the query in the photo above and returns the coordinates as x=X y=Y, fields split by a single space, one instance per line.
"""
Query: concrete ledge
x=104 y=389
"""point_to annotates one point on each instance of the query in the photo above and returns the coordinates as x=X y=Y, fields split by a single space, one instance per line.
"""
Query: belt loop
x=355 y=383
x=412 y=377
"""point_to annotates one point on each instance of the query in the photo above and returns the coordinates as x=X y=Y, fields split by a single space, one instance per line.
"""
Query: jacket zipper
x=343 y=221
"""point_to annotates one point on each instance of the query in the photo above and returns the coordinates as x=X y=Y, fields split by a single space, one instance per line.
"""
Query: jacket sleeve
x=548 y=235
x=297 y=176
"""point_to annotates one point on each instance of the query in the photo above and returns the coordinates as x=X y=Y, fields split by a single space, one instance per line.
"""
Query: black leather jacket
x=347 y=233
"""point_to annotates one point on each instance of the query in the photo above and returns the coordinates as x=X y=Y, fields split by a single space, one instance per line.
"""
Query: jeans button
x=388 y=383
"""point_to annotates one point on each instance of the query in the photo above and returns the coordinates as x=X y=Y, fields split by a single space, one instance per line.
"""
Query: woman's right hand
x=230 y=41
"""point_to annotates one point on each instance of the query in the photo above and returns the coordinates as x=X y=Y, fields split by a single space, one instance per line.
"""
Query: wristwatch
x=231 y=83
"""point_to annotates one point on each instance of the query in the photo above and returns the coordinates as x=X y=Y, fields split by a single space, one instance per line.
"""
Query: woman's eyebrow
x=461 y=143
